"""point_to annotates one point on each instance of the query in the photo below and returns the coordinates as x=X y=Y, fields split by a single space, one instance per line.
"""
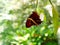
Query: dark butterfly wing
x=35 y=17
x=29 y=23
x=35 y=20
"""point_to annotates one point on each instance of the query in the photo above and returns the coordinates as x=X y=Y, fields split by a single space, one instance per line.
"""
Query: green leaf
x=55 y=18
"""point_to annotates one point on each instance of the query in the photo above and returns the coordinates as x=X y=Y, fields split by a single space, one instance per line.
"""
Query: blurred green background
x=13 y=16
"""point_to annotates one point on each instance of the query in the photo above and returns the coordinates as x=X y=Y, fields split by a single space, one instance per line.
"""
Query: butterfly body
x=33 y=19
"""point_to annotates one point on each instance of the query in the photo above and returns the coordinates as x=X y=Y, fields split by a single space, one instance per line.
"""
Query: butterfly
x=33 y=19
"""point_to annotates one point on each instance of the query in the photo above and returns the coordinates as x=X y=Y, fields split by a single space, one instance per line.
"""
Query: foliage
x=15 y=31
